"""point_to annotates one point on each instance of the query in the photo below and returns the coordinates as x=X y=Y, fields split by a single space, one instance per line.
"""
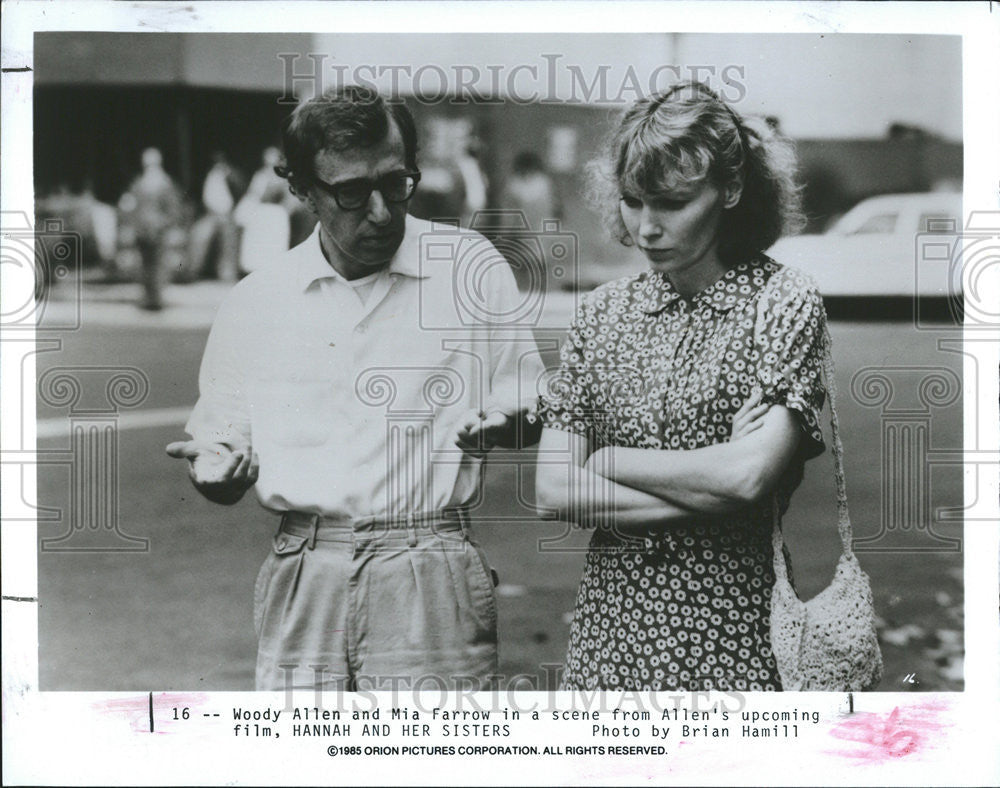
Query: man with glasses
x=341 y=384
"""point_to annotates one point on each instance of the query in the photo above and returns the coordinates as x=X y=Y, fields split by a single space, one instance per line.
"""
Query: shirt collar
x=313 y=265
x=733 y=287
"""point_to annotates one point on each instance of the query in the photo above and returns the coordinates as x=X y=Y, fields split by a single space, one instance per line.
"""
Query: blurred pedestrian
x=104 y=222
x=689 y=399
x=153 y=206
x=531 y=192
x=82 y=214
x=266 y=186
x=214 y=242
x=474 y=181
x=263 y=216
x=528 y=200
x=441 y=196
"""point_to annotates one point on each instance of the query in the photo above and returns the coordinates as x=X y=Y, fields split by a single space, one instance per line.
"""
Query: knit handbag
x=830 y=642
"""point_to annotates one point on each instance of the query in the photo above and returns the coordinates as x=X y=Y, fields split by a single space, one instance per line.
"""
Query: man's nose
x=378 y=208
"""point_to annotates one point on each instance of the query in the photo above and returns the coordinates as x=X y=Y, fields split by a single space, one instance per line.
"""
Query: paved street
x=179 y=615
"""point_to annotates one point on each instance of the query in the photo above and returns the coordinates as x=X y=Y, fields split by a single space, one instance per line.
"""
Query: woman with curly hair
x=687 y=400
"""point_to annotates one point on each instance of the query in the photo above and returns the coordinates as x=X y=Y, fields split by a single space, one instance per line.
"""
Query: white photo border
x=56 y=738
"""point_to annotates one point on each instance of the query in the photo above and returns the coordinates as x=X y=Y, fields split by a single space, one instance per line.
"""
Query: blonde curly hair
x=685 y=135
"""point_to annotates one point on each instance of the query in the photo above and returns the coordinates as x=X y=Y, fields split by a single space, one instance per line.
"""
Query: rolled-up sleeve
x=222 y=413
x=790 y=370
x=565 y=403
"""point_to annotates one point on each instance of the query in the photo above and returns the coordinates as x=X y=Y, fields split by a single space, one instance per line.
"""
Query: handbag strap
x=843 y=516
x=829 y=382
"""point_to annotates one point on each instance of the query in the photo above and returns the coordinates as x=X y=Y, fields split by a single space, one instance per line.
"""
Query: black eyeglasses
x=354 y=194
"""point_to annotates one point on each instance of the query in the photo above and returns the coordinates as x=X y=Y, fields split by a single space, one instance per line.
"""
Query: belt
x=316 y=527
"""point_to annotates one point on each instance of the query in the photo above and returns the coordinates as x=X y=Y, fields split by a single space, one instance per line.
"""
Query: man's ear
x=304 y=198
x=733 y=193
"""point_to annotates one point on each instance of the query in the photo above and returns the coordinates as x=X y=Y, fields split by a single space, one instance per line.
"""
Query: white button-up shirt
x=353 y=405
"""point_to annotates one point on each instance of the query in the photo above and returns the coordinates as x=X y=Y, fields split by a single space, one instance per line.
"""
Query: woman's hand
x=750 y=417
x=575 y=491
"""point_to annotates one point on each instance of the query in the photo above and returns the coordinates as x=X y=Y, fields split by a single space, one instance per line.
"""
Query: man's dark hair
x=345 y=117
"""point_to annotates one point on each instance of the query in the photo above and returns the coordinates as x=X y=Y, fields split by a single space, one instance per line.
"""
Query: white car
x=884 y=246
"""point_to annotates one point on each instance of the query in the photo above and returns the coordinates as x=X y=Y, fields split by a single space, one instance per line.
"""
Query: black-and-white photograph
x=417 y=385
x=511 y=358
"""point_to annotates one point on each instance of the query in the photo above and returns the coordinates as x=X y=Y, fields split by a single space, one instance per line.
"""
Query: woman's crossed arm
x=655 y=487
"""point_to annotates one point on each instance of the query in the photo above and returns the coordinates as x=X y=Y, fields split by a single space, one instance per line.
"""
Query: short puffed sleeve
x=566 y=403
x=791 y=337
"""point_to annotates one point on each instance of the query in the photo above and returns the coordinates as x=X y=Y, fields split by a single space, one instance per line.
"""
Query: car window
x=936 y=222
x=880 y=223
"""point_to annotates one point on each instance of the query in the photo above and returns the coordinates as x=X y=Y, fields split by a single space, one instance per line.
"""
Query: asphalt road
x=178 y=615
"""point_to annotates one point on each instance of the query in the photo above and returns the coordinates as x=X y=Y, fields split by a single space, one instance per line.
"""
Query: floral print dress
x=685 y=607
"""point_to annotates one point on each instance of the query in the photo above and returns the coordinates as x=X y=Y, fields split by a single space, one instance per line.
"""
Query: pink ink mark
x=152 y=713
x=896 y=735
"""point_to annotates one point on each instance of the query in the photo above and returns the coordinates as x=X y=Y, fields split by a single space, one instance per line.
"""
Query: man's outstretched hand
x=479 y=432
x=220 y=473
